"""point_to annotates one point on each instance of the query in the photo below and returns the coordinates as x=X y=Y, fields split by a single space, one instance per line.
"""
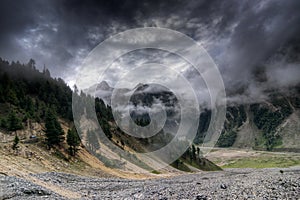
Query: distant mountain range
x=272 y=124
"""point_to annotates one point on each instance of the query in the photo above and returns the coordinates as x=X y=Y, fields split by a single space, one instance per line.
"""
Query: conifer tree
x=14 y=123
x=73 y=141
x=54 y=132
x=16 y=142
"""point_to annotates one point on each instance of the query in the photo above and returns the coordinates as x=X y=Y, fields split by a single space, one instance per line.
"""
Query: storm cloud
x=246 y=39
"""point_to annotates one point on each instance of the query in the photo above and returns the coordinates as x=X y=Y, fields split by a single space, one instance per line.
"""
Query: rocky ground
x=272 y=183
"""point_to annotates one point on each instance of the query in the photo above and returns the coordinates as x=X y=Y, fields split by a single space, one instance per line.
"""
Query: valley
x=41 y=155
x=140 y=99
x=47 y=174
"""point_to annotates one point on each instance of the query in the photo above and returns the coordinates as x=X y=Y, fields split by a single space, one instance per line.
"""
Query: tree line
x=26 y=94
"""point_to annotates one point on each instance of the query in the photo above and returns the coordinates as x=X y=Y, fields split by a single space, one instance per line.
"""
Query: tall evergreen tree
x=16 y=142
x=31 y=63
x=14 y=123
x=73 y=141
x=54 y=132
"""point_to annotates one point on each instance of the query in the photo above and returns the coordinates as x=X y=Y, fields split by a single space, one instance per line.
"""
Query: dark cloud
x=241 y=36
x=261 y=30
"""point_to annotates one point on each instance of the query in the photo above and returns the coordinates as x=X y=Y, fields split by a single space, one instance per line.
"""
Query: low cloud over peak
x=241 y=36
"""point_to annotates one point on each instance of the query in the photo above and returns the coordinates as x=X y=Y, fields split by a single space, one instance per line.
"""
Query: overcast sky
x=243 y=37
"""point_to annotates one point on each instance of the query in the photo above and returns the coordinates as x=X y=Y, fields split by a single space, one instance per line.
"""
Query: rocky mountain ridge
x=271 y=124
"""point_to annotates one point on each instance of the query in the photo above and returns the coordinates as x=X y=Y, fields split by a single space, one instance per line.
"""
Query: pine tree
x=73 y=141
x=12 y=97
x=29 y=106
x=3 y=123
x=16 y=142
x=14 y=123
x=54 y=132
x=31 y=64
x=193 y=152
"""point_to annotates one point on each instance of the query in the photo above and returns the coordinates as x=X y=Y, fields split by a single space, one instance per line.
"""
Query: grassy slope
x=264 y=161
x=239 y=158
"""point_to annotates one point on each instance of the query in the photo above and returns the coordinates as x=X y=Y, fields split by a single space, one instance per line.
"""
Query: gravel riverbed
x=229 y=184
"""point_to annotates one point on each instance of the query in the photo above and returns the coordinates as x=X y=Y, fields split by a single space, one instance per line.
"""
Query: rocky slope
x=230 y=184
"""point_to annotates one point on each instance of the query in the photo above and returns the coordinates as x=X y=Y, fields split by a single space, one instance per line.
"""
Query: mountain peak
x=103 y=86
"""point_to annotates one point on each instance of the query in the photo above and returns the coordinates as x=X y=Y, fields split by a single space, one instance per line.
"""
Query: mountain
x=271 y=124
x=102 y=90
x=36 y=114
x=30 y=98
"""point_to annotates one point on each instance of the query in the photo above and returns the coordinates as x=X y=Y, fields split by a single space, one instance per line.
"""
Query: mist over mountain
x=269 y=122
x=94 y=94
x=242 y=37
x=255 y=46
